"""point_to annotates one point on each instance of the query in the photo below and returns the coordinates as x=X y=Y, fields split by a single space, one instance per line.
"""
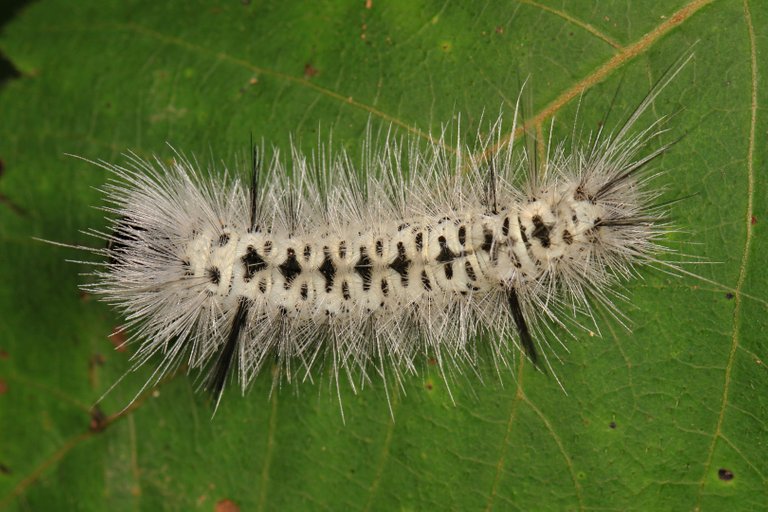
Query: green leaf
x=653 y=419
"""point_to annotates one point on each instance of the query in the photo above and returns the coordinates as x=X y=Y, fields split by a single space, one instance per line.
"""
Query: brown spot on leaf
x=309 y=70
x=3 y=387
x=98 y=420
x=118 y=338
x=3 y=354
x=96 y=361
x=753 y=220
x=226 y=506
x=725 y=474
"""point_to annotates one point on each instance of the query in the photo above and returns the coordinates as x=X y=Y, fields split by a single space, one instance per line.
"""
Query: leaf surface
x=670 y=416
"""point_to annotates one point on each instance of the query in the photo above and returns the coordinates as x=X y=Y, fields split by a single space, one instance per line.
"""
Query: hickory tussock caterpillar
x=415 y=252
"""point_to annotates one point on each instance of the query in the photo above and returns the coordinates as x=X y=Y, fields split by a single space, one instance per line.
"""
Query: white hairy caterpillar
x=414 y=253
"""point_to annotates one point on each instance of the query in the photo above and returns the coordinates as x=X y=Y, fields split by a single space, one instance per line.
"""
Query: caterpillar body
x=444 y=252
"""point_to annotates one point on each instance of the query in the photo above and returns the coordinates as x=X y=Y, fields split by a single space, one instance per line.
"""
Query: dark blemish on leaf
x=3 y=354
x=725 y=474
x=612 y=424
x=3 y=387
x=94 y=363
x=753 y=220
x=226 y=506
x=98 y=420
x=729 y=295
x=428 y=385
x=118 y=338
x=5 y=469
x=96 y=360
x=309 y=70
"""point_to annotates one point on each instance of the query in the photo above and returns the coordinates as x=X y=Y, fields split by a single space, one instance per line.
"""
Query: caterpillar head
x=594 y=227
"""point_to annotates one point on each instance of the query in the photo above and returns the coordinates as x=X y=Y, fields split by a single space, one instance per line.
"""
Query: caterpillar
x=446 y=252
